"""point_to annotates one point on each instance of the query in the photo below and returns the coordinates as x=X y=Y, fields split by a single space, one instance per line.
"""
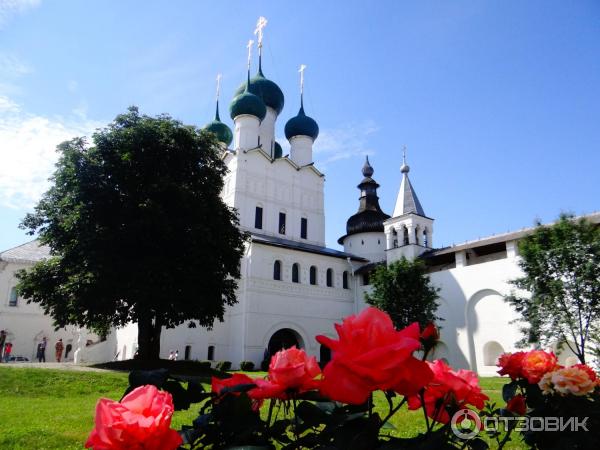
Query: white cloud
x=28 y=151
x=10 y=8
x=344 y=142
x=11 y=66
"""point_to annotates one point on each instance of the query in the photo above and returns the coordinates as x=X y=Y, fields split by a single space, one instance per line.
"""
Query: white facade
x=292 y=287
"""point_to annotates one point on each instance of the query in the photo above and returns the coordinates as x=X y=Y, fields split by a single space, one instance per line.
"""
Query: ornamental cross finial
x=219 y=76
x=404 y=154
x=260 y=25
x=249 y=47
x=302 y=69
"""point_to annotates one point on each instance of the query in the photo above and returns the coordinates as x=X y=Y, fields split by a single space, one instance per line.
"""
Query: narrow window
x=405 y=236
x=313 y=275
x=425 y=237
x=211 y=353
x=303 y=227
x=277 y=270
x=365 y=279
x=329 y=277
x=296 y=273
x=345 y=280
x=417 y=236
x=258 y=218
x=13 y=300
x=188 y=352
x=281 y=223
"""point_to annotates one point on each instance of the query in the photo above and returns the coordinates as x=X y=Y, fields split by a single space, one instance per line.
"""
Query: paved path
x=52 y=365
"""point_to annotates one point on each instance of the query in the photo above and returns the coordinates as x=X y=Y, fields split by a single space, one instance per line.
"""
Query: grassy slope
x=52 y=409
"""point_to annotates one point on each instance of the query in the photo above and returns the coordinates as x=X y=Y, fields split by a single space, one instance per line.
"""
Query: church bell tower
x=408 y=233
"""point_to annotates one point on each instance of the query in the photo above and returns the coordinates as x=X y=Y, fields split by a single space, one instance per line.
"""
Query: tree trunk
x=149 y=337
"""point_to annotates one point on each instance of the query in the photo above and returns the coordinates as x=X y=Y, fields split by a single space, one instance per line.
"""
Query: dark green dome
x=266 y=89
x=222 y=131
x=247 y=103
x=301 y=125
x=277 y=150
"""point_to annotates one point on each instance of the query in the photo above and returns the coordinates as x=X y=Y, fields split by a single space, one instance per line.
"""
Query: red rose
x=536 y=363
x=218 y=384
x=370 y=355
x=592 y=374
x=517 y=405
x=430 y=336
x=290 y=370
x=510 y=364
x=141 y=421
x=449 y=388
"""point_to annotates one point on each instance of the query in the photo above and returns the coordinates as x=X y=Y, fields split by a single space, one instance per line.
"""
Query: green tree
x=137 y=231
x=403 y=290
x=559 y=293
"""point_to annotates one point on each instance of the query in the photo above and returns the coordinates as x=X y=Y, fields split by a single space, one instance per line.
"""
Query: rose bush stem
x=393 y=411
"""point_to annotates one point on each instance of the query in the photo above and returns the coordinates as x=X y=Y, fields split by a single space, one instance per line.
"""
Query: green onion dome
x=301 y=125
x=277 y=150
x=266 y=89
x=247 y=103
x=221 y=130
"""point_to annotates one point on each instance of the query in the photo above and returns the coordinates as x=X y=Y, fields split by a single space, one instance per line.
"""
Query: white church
x=292 y=286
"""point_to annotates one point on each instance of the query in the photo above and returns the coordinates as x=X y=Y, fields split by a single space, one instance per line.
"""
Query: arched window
x=395 y=238
x=425 y=237
x=345 y=280
x=188 y=352
x=313 y=275
x=329 y=277
x=296 y=273
x=417 y=235
x=405 y=236
x=491 y=352
x=277 y=270
x=13 y=299
x=211 y=353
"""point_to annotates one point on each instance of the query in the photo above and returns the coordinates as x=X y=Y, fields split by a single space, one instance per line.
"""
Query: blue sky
x=498 y=102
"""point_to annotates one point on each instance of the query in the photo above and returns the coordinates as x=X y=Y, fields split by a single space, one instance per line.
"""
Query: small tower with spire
x=409 y=232
x=364 y=230
x=301 y=131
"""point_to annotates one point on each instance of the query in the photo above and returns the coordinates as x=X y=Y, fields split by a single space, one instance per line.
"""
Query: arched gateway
x=284 y=338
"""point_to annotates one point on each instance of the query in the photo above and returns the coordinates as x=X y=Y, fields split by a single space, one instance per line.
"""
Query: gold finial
x=249 y=47
x=219 y=76
x=260 y=25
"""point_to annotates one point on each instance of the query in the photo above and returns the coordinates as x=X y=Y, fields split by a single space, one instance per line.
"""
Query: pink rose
x=141 y=421
x=290 y=371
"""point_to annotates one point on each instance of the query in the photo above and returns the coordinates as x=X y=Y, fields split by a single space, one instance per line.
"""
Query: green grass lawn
x=53 y=409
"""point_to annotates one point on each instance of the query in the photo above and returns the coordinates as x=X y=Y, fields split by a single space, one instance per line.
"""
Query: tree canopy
x=404 y=291
x=137 y=231
x=559 y=294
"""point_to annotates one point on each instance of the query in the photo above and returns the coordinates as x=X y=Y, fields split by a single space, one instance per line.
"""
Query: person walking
x=42 y=357
x=59 y=349
x=176 y=355
x=7 y=351
x=38 y=353
x=2 y=341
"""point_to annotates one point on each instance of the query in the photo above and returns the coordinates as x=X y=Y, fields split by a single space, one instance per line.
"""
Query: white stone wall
x=366 y=245
x=26 y=324
x=276 y=186
x=478 y=322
